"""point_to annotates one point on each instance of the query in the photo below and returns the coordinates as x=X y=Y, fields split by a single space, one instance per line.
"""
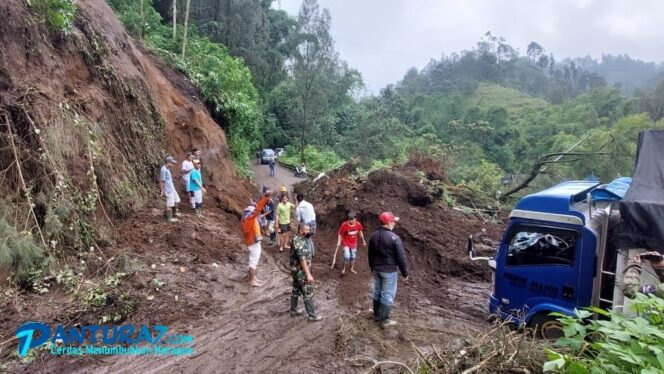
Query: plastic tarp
x=642 y=208
x=613 y=191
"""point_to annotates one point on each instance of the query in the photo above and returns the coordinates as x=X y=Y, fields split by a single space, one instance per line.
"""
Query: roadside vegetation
x=614 y=342
x=595 y=341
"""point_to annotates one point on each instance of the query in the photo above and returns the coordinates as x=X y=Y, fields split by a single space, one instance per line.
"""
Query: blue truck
x=547 y=259
x=554 y=257
x=566 y=247
x=557 y=255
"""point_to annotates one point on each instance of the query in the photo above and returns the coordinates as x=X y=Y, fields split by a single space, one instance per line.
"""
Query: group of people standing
x=386 y=253
x=192 y=181
x=265 y=218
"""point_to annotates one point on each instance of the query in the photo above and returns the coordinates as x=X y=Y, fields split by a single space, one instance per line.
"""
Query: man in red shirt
x=348 y=233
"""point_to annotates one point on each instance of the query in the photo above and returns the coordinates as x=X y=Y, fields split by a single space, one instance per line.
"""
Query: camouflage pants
x=302 y=288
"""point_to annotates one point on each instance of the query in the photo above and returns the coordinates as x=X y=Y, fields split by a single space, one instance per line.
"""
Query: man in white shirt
x=168 y=191
x=187 y=167
x=304 y=213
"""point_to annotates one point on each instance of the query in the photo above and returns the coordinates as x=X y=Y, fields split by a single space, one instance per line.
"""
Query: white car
x=268 y=155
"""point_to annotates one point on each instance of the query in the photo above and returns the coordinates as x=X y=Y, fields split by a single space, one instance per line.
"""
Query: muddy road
x=282 y=177
x=239 y=329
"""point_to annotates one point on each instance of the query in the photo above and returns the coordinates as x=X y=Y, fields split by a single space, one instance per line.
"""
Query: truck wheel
x=547 y=327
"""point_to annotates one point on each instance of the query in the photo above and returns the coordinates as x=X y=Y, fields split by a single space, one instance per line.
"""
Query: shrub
x=57 y=14
x=617 y=343
x=315 y=159
x=19 y=252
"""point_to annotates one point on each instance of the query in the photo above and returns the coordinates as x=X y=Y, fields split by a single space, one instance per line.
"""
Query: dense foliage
x=317 y=160
x=617 y=343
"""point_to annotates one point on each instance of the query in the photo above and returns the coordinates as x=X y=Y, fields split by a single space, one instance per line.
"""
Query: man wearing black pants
x=386 y=254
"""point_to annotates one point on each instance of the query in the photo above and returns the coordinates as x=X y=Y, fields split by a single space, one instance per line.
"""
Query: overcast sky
x=383 y=38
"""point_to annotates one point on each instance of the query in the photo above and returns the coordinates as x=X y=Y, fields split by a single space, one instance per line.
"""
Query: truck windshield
x=539 y=245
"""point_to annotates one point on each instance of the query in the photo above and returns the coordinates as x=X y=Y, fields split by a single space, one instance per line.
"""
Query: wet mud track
x=239 y=329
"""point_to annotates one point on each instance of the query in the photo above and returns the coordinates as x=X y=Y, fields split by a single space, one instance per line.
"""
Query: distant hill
x=623 y=71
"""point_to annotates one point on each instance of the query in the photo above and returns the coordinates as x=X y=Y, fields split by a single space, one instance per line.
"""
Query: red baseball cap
x=387 y=217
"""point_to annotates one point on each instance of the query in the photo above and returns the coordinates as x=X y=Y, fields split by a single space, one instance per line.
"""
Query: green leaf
x=554 y=365
x=600 y=311
x=569 y=330
x=577 y=368
x=660 y=359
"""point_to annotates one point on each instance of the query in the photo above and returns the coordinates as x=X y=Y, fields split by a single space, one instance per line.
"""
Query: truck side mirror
x=471 y=254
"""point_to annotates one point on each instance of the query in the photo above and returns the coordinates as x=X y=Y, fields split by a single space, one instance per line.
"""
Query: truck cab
x=556 y=255
x=549 y=258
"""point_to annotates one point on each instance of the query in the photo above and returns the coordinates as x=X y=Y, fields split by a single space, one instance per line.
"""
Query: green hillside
x=514 y=101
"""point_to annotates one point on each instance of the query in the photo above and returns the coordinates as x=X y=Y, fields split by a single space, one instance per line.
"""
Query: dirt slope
x=98 y=79
x=189 y=125
x=92 y=115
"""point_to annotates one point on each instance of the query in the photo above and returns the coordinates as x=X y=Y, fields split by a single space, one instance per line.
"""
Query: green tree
x=313 y=62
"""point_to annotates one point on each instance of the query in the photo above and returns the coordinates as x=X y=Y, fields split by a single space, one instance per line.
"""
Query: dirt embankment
x=91 y=116
x=94 y=99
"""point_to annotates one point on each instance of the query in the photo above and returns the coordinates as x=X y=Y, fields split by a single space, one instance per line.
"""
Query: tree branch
x=541 y=165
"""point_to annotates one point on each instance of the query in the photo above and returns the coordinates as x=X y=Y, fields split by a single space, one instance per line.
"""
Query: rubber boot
x=169 y=216
x=385 y=320
x=311 y=311
x=293 y=307
x=175 y=212
x=376 y=310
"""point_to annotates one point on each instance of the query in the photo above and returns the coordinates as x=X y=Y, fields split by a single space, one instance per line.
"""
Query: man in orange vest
x=252 y=235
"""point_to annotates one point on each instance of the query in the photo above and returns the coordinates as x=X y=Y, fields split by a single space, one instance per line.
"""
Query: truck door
x=537 y=264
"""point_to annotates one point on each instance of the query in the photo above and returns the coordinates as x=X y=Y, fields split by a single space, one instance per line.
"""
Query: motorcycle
x=301 y=173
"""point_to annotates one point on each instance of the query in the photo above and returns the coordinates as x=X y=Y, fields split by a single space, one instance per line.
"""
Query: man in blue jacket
x=386 y=254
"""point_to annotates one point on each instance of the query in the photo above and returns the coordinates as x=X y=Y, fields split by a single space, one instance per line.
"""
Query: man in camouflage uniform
x=303 y=281
x=632 y=276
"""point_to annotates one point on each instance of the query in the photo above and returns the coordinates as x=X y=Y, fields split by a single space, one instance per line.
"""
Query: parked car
x=279 y=151
x=268 y=155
